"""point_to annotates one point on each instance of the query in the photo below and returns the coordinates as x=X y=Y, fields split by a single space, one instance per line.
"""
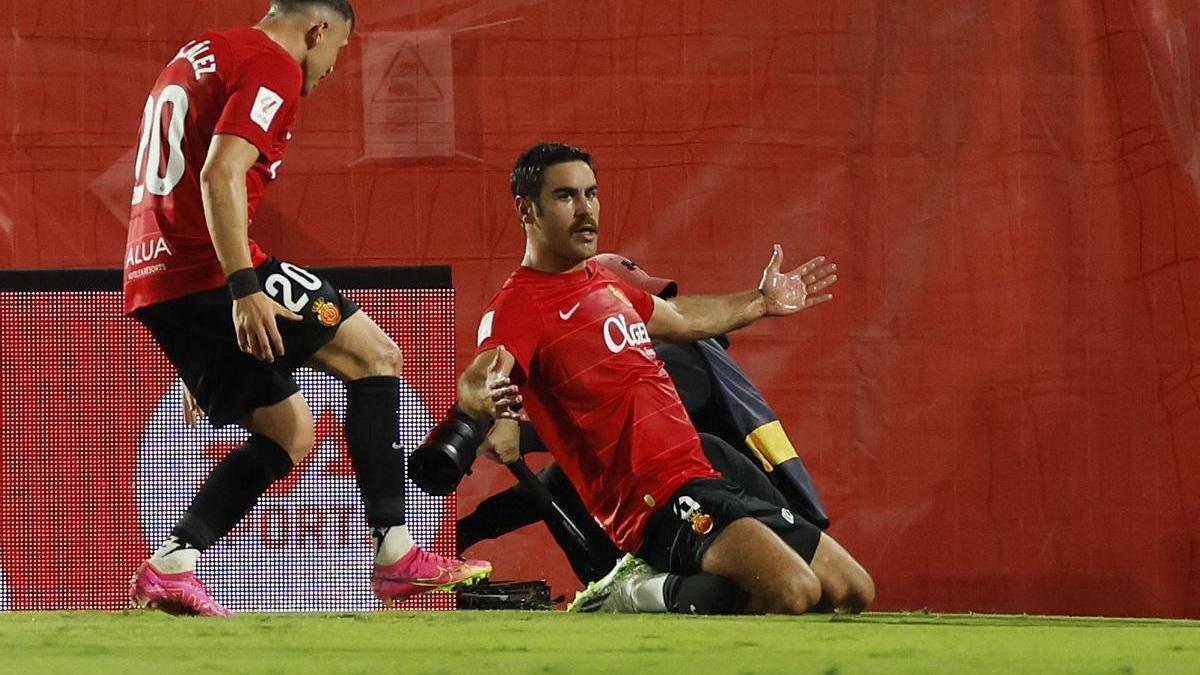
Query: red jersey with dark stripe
x=237 y=82
x=596 y=392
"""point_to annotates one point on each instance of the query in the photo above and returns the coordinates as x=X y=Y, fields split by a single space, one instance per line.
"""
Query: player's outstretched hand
x=791 y=292
x=504 y=397
x=254 y=318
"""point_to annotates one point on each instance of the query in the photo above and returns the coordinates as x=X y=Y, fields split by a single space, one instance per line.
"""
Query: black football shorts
x=681 y=531
x=196 y=332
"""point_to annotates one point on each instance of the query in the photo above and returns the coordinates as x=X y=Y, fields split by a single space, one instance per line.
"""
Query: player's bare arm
x=694 y=317
x=223 y=189
x=485 y=391
x=503 y=442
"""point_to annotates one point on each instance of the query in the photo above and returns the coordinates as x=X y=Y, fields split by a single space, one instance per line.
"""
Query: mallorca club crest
x=327 y=312
x=620 y=295
x=688 y=510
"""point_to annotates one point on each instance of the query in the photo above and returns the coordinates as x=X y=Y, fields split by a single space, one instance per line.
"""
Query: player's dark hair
x=529 y=174
x=342 y=7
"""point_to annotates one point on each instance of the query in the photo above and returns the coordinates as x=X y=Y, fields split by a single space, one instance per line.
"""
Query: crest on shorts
x=327 y=312
x=688 y=510
x=620 y=294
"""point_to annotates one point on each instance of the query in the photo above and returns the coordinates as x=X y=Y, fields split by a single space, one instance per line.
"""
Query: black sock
x=497 y=515
x=703 y=594
x=372 y=417
x=232 y=489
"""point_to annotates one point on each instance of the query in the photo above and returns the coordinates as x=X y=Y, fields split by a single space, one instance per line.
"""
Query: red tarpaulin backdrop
x=1000 y=405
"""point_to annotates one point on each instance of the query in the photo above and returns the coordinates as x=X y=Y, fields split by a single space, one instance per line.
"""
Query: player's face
x=324 y=52
x=565 y=223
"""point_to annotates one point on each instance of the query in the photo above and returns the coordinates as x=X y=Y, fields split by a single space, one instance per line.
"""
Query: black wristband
x=243 y=282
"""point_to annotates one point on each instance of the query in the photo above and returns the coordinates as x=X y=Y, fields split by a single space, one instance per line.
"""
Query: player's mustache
x=586 y=220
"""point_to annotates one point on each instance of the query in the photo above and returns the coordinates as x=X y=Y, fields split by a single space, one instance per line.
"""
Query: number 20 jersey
x=238 y=82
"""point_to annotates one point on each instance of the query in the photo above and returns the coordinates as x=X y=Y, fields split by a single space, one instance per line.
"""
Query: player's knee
x=299 y=449
x=299 y=443
x=862 y=592
x=812 y=592
x=852 y=592
x=800 y=594
x=384 y=360
x=288 y=424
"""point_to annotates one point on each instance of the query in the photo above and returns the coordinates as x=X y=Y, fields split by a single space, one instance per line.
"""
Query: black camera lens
x=438 y=464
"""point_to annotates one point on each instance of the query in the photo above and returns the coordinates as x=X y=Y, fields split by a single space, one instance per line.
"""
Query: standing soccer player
x=572 y=342
x=236 y=323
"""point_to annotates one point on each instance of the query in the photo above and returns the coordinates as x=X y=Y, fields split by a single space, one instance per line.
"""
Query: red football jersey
x=596 y=392
x=238 y=82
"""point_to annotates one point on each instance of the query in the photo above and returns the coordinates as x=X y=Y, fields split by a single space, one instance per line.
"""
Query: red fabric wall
x=1001 y=405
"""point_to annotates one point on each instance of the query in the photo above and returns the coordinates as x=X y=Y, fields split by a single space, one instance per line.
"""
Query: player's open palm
x=255 y=317
x=790 y=292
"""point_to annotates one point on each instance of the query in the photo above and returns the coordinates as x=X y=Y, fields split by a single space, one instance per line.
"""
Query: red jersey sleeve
x=513 y=321
x=643 y=302
x=263 y=93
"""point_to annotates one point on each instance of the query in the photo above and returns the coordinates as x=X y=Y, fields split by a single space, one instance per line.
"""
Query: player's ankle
x=391 y=544
x=175 y=556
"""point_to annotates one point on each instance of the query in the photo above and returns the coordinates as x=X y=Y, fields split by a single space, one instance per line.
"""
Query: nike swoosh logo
x=564 y=315
x=435 y=580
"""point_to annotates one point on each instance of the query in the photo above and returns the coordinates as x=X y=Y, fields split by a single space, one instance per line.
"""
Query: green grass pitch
x=492 y=643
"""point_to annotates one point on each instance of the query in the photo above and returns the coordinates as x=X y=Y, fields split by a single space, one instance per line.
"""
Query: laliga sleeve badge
x=327 y=312
x=620 y=295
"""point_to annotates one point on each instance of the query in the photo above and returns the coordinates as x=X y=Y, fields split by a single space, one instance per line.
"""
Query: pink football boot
x=180 y=593
x=420 y=571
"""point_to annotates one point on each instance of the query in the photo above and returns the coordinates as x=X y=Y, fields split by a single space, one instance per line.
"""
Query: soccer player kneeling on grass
x=571 y=342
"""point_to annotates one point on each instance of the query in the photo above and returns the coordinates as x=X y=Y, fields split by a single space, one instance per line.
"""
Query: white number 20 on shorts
x=279 y=286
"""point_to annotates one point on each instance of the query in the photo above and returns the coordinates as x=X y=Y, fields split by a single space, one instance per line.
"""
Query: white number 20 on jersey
x=146 y=169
